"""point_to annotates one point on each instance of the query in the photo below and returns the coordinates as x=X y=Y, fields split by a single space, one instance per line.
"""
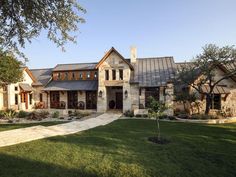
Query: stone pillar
x=169 y=94
x=102 y=99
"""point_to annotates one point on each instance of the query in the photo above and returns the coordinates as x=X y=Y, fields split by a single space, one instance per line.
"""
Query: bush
x=1 y=114
x=34 y=116
x=79 y=114
x=129 y=113
x=22 y=114
x=55 y=114
x=9 y=113
x=43 y=114
x=205 y=117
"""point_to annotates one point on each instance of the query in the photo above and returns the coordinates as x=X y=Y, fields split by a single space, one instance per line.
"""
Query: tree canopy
x=10 y=69
x=22 y=20
x=202 y=70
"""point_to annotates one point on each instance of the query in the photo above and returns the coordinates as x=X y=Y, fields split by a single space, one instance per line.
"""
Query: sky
x=178 y=28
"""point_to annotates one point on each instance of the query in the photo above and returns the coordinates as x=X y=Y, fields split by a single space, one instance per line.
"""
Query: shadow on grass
x=15 y=166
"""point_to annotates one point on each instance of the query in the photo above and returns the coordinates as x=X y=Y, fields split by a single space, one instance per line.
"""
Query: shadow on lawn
x=12 y=166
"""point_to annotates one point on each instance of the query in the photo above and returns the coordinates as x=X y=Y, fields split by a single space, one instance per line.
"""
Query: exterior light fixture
x=126 y=93
x=100 y=93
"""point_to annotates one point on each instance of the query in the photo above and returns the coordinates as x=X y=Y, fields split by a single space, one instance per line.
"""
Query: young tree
x=202 y=70
x=156 y=109
x=23 y=20
x=10 y=69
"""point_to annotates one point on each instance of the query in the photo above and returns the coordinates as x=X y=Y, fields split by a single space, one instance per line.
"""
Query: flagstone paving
x=22 y=135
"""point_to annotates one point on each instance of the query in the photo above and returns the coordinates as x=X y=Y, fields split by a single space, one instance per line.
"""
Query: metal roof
x=42 y=76
x=217 y=89
x=75 y=66
x=25 y=87
x=88 y=85
x=154 y=72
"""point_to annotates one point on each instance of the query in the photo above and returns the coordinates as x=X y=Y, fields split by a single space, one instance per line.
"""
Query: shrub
x=129 y=113
x=34 y=116
x=55 y=114
x=80 y=114
x=9 y=113
x=22 y=114
x=1 y=114
x=43 y=114
x=205 y=117
x=138 y=115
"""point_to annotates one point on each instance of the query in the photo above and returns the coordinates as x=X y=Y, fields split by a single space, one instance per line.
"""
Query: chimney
x=133 y=54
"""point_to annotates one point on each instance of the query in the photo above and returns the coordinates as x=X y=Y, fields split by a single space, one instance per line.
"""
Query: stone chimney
x=133 y=54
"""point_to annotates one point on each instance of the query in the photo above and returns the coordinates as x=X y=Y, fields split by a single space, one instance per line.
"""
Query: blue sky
x=177 y=28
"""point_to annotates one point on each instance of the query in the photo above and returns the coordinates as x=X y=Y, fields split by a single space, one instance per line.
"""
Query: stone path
x=22 y=135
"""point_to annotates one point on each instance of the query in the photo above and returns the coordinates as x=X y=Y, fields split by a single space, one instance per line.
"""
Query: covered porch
x=72 y=95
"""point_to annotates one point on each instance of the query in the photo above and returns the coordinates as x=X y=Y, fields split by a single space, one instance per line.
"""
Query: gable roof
x=42 y=76
x=74 y=66
x=26 y=69
x=154 y=72
x=107 y=55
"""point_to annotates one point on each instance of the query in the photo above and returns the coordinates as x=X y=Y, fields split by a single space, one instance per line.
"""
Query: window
x=41 y=97
x=88 y=74
x=16 y=88
x=106 y=74
x=151 y=92
x=95 y=74
x=216 y=102
x=58 y=76
x=113 y=74
x=73 y=76
x=30 y=98
x=121 y=74
x=81 y=75
x=16 y=99
x=66 y=76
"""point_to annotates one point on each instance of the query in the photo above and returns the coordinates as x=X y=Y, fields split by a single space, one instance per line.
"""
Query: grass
x=4 y=127
x=121 y=149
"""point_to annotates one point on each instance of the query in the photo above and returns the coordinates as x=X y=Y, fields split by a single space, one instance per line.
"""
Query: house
x=224 y=93
x=112 y=83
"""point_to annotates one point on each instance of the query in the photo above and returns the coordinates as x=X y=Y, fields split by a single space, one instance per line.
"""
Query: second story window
x=106 y=74
x=121 y=74
x=113 y=74
x=66 y=76
x=73 y=76
x=16 y=88
x=95 y=74
x=80 y=75
x=88 y=75
x=58 y=76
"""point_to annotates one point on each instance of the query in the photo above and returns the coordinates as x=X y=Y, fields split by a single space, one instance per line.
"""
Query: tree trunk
x=208 y=104
x=158 y=129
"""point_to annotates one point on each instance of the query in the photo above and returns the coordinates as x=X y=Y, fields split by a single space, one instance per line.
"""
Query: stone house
x=224 y=94
x=112 y=83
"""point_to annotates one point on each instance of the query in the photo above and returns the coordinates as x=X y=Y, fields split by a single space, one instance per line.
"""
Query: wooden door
x=54 y=99
x=24 y=99
x=72 y=99
x=119 y=100
x=91 y=100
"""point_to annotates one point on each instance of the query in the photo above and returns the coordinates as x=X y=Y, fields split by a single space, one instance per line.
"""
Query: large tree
x=202 y=70
x=10 y=69
x=22 y=20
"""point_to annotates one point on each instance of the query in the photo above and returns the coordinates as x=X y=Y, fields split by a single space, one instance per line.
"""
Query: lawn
x=121 y=149
x=4 y=127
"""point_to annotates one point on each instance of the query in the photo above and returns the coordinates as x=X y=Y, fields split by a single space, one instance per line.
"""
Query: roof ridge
x=75 y=63
x=40 y=69
x=143 y=58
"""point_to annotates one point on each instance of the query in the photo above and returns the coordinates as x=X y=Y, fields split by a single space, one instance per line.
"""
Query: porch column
x=169 y=94
x=102 y=99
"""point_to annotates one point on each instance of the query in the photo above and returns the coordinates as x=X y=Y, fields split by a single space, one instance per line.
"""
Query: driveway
x=22 y=135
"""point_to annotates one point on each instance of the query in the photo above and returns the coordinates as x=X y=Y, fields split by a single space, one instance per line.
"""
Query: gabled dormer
x=114 y=68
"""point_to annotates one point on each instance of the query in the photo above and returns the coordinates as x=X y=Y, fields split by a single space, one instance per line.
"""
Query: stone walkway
x=22 y=135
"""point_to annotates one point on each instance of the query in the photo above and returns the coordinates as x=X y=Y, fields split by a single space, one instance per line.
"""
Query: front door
x=119 y=100
x=72 y=99
x=24 y=99
x=91 y=100
x=55 y=99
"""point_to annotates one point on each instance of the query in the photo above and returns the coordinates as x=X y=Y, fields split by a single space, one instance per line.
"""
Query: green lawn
x=121 y=149
x=4 y=127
